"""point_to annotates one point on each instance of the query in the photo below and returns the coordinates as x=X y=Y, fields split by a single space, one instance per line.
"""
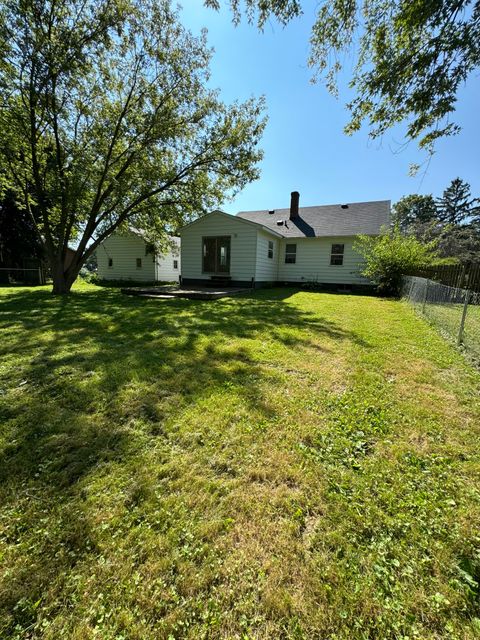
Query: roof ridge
x=315 y=206
x=325 y=220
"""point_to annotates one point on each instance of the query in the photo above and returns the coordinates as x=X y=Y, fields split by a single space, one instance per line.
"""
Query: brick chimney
x=294 y=201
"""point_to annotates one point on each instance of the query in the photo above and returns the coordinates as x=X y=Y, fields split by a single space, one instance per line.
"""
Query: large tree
x=456 y=206
x=412 y=210
x=459 y=242
x=450 y=222
x=18 y=236
x=412 y=56
x=106 y=119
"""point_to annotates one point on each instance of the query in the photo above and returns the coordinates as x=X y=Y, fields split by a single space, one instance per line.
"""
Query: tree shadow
x=89 y=346
x=93 y=363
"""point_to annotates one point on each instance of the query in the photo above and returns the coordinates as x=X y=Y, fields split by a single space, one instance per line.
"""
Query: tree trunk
x=62 y=280
x=60 y=284
x=63 y=275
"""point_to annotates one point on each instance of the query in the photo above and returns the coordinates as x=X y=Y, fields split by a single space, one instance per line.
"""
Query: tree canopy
x=456 y=206
x=411 y=57
x=18 y=237
x=452 y=221
x=459 y=242
x=107 y=119
x=413 y=209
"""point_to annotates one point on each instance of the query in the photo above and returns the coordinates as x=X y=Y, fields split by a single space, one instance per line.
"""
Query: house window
x=139 y=263
x=175 y=264
x=270 y=249
x=290 y=253
x=336 y=255
x=110 y=262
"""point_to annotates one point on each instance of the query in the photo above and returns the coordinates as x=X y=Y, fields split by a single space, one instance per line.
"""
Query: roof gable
x=237 y=218
x=139 y=234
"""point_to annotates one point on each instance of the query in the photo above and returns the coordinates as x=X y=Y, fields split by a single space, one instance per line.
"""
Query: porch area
x=190 y=292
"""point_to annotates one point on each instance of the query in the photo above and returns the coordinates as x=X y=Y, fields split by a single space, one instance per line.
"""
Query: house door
x=216 y=254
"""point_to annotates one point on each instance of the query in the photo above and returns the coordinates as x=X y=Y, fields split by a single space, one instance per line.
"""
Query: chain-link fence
x=13 y=275
x=456 y=312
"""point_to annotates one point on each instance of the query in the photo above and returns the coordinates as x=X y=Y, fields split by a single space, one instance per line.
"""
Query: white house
x=300 y=244
x=128 y=256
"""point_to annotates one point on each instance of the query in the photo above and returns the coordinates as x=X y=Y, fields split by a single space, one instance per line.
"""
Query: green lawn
x=447 y=317
x=278 y=465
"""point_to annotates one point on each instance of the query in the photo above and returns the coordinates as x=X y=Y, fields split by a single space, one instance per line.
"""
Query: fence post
x=464 y=315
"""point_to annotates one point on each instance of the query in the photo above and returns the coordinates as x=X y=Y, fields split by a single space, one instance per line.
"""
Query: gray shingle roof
x=326 y=220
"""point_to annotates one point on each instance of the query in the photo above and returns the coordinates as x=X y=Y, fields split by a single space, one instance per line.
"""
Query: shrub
x=88 y=276
x=391 y=255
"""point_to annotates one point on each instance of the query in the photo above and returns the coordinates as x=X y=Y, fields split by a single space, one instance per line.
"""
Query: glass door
x=223 y=254
x=216 y=254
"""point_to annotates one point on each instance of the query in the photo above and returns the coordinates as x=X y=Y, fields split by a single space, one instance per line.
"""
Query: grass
x=447 y=317
x=281 y=465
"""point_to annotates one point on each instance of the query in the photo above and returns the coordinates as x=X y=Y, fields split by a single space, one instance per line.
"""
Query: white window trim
x=291 y=253
x=336 y=254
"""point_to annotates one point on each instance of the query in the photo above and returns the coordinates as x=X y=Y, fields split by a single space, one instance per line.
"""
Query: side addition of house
x=128 y=256
x=299 y=244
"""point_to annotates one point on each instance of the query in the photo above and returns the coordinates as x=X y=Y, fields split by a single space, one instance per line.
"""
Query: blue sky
x=304 y=144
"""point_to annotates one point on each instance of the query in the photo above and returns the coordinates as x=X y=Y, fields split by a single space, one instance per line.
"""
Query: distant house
x=299 y=244
x=128 y=256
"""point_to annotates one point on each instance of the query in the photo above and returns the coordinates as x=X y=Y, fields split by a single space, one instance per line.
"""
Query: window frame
x=139 y=263
x=175 y=264
x=337 y=254
x=289 y=254
x=110 y=263
x=270 y=250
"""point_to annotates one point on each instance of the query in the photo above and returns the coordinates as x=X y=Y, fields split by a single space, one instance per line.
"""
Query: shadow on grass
x=79 y=353
x=88 y=366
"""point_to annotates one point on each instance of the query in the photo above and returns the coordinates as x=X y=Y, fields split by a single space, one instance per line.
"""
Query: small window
x=270 y=249
x=290 y=253
x=139 y=263
x=110 y=262
x=336 y=255
x=175 y=264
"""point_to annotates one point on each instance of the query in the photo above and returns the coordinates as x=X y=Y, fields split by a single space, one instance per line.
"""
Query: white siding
x=266 y=268
x=313 y=262
x=124 y=249
x=242 y=246
x=249 y=254
x=165 y=270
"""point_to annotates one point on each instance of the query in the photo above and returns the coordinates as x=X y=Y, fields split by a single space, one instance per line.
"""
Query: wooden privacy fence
x=459 y=276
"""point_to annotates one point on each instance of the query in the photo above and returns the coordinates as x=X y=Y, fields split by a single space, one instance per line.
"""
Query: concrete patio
x=192 y=293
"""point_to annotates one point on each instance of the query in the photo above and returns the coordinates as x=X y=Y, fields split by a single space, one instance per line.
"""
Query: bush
x=88 y=276
x=390 y=256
